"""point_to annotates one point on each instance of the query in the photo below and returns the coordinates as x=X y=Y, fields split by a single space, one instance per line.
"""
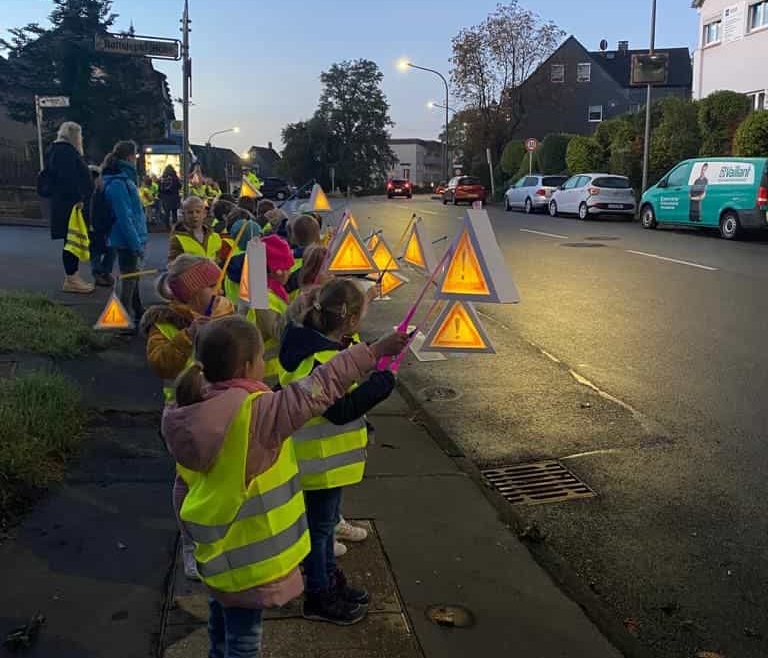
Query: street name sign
x=154 y=47
x=53 y=101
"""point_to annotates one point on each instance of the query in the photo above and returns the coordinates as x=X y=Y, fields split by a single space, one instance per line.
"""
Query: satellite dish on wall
x=604 y=45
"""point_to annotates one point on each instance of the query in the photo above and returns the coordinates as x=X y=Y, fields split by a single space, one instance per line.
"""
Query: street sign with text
x=53 y=101
x=154 y=47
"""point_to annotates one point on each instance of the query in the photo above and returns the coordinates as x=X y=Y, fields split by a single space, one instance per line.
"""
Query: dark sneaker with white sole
x=329 y=606
x=349 y=594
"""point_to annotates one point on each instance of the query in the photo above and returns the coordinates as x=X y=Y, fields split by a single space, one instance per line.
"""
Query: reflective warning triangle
x=476 y=270
x=391 y=281
x=245 y=294
x=318 y=201
x=114 y=316
x=373 y=241
x=383 y=257
x=458 y=329
x=418 y=250
x=349 y=255
x=348 y=218
x=249 y=191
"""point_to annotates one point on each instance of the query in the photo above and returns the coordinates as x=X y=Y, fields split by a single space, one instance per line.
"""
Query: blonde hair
x=177 y=267
x=223 y=348
x=71 y=133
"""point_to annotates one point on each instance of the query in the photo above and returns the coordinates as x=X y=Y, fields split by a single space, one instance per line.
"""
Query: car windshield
x=469 y=180
x=398 y=182
x=553 y=181
x=614 y=182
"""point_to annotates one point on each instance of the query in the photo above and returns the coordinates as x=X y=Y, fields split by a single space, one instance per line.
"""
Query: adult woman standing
x=170 y=196
x=129 y=232
x=71 y=183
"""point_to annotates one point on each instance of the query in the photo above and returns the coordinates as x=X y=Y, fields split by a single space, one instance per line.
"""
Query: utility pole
x=186 y=66
x=647 y=147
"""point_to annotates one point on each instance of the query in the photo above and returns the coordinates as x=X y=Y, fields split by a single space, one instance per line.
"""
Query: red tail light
x=541 y=193
x=389 y=186
x=762 y=196
x=594 y=191
x=408 y=185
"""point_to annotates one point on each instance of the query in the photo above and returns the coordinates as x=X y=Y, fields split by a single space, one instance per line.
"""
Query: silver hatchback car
x=590 y=195
x=532 y=193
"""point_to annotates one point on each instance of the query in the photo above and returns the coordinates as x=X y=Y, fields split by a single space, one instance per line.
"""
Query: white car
x=590 y=195
x=532 y=193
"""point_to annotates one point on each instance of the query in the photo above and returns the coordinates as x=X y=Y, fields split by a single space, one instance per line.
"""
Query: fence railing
x=17 y=170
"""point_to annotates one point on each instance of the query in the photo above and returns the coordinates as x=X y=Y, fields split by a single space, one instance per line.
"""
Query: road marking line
x=591 y=453
x=673 y=260
x=427 y=212
x=547 y=235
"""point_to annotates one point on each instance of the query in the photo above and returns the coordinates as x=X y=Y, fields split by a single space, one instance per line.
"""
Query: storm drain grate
x=537 y=482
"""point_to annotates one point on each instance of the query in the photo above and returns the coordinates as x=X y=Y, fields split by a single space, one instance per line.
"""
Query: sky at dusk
x=260 y=70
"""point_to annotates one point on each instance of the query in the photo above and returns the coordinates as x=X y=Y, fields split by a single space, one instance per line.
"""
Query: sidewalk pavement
x=97 y=557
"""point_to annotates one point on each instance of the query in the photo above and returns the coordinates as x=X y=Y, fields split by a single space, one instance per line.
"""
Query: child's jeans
x=233 y=632
x=323 y=509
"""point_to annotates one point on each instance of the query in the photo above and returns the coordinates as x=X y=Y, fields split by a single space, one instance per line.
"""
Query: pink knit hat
x=279 y=255
x=204 y=274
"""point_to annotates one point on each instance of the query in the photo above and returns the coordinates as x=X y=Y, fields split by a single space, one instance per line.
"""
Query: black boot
x=329 y=606
x=349 y=594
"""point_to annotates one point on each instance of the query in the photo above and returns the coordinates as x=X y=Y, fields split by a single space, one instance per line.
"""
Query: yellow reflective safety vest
x=297 y=264
x=329 y=455
x=251 y=534
x=272 y=367
x=169 y=331
x=232 y=288
x=192 y=246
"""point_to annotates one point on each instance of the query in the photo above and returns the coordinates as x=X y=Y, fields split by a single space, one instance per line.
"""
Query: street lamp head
x=245 y=155
x=431 y=105
x=403 y=64
x=236 y=129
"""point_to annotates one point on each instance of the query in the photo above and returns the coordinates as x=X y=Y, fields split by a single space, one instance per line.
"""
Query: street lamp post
x=647 y=146
x=235 y=129
x=404 y=65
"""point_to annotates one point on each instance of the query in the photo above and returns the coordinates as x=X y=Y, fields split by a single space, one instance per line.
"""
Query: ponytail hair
x=223 y=349
x=312 y=263
x=120 y=151
x=331 y=305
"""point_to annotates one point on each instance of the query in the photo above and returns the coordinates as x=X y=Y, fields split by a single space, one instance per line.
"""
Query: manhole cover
x=451 y=616
x=439 y=394
x=538 y=482
x=7 y=369
x=605 y=238
x=582 y=244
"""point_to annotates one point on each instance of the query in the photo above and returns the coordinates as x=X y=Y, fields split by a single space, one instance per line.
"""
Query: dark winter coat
x=170 y=189
x=301 y=342
x=71 y=182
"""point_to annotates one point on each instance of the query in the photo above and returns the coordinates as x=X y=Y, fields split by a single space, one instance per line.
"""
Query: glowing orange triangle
x=248 y=191
x=373 y=241
x=413 y=252
x=417 y=249
x=464 y=275
x=391 y=282
x=383 y=257
x=114 y=315
x=350 y=255
x=245 y=293
x=458 y=329
x=318 y=201
x=349 y=219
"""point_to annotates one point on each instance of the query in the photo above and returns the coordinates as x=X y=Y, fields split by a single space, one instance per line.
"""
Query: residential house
x=575 y=89
x=264 y=160
x=733 y=49
x=417 y=160
x=222 y=164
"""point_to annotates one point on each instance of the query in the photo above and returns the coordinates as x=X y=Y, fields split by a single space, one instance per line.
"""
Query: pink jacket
x=195 y=434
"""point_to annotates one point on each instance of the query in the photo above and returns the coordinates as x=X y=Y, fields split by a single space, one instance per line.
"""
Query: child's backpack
x=101 y=213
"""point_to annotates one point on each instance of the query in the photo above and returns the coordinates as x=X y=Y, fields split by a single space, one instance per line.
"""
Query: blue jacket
x=130 y=228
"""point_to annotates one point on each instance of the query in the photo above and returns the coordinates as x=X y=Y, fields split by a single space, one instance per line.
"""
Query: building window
x=595 y=113
x=758 y=15
x=635 y=108
x=712 y=32
x=584 y=72
x=557 y=74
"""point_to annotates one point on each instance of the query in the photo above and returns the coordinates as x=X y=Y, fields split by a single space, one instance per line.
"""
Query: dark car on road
x=275 y=188
x=399 y=187
x=464 y=188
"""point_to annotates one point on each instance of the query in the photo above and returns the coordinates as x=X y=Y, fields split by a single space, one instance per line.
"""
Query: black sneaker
x=349 y=594
x=104 y=280
x=329 y=606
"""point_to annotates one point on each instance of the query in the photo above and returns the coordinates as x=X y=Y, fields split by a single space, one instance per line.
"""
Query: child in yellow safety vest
x=148 y=198
x=330 y=448
x=189 y=285
x=244 y=507
x=192 y=235
x=303 y=232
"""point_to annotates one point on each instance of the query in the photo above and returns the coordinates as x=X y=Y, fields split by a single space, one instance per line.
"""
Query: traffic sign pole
x=185 y=100
x=531 y=144
x=38 y=117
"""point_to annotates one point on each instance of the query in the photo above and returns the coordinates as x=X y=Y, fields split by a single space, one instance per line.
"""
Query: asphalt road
x=671 y=326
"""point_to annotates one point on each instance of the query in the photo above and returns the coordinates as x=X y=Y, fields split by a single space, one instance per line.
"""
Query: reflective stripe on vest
x=191 y=246
x=245 y=535
x=297 y=264
x=169 y=385
x=329 y=455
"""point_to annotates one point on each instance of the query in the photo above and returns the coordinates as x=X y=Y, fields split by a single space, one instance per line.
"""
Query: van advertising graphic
x=723 y=173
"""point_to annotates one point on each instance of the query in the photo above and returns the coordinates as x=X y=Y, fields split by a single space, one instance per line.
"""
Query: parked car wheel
x=648 y=217
x=528 y=206
x=729 y=225
x=583 y=211
x=507 y=207
x=553 y=208
x=445 y=201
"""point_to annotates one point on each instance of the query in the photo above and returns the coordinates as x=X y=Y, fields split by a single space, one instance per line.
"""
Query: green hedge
x=720 y=115
x=551 y=154
x=584 y=154
x=751 y=138
x=510 y=158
